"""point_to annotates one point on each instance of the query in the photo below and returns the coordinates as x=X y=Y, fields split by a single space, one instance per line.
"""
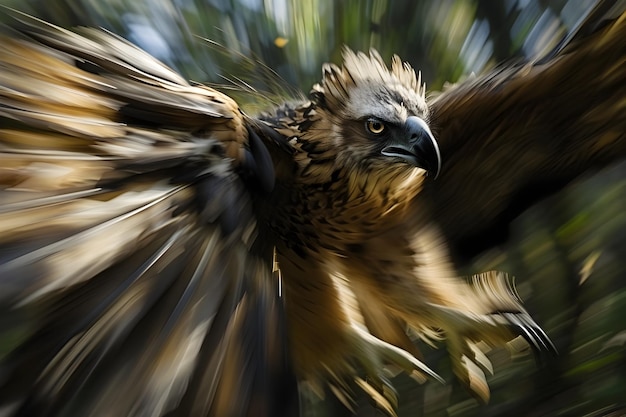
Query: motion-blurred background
x=568 y=252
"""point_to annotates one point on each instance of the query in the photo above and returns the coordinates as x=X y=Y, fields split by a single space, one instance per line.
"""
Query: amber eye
x=375 y=126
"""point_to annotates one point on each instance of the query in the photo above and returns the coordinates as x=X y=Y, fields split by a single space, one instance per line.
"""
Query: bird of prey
x=162 y=253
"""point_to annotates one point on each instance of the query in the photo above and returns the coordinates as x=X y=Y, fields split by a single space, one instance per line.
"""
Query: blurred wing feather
x=125 y=238
x=511 y=136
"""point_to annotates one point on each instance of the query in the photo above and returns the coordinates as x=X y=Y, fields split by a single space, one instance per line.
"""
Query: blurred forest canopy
x=446 y=40
x=568 y=252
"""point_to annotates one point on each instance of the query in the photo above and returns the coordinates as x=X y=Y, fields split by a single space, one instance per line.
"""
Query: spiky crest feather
x=359 y=68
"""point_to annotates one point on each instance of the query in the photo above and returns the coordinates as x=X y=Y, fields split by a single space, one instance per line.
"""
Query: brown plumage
x=563 y=114
x=145 y=222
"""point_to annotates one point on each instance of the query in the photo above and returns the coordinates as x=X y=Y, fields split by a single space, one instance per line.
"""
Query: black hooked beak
x=417 y=146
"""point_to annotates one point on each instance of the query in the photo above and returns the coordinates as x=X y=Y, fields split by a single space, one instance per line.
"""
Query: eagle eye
x=375 y=126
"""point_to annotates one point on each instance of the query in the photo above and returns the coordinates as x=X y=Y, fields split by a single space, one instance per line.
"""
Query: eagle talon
x=531 y=332
x=372 y=352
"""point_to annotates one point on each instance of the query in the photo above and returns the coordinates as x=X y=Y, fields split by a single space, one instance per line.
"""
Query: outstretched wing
x=510 y=137
x=126 y=234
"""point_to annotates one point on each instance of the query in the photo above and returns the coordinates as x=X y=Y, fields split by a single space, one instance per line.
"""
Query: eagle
x=163 y=253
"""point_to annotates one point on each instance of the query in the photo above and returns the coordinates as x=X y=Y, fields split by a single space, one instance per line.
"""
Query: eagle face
x=376 y=117
x=362 y=147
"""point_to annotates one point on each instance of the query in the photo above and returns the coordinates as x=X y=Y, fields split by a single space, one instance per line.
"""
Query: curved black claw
x=526 y=327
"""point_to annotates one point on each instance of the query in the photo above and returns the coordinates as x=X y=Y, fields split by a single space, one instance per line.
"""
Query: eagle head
x=375 y=116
